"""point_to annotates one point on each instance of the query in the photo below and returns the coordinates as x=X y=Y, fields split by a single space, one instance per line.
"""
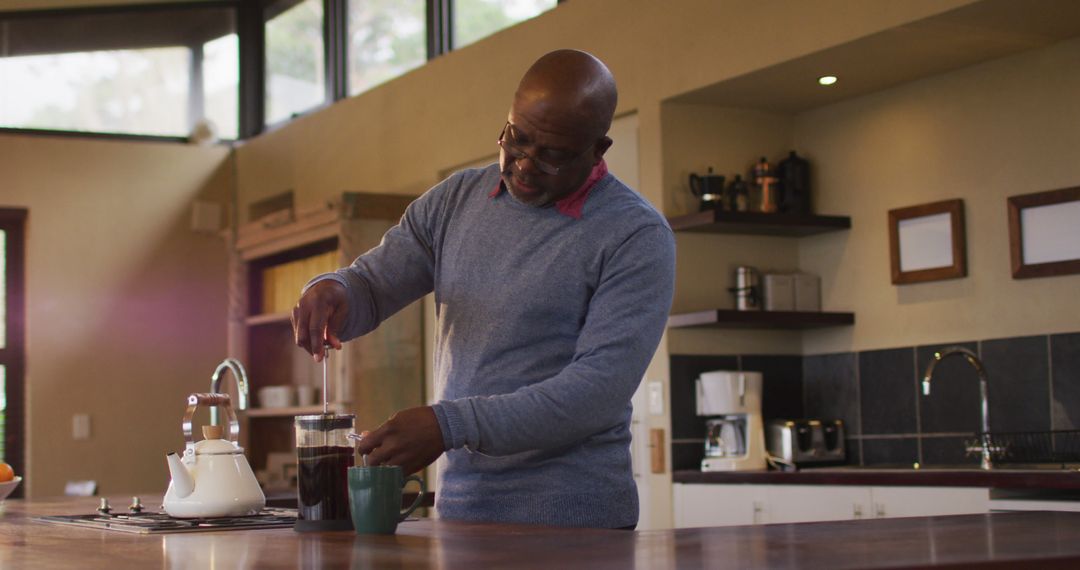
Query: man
x=552 y=281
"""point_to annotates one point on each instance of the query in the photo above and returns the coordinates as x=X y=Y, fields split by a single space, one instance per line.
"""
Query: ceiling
x=952 y=40
x=112 y=29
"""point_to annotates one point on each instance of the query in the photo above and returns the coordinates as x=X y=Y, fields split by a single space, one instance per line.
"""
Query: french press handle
x=206 y=399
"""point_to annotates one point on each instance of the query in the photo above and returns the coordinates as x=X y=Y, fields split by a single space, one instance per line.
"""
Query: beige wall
x=125 y=304
x=983 y=133
x=401 y=135
x=1002 y=128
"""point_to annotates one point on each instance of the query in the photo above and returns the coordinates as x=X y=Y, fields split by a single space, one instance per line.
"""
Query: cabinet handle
x=856 y=510
x=758 y=510
x=879 y=510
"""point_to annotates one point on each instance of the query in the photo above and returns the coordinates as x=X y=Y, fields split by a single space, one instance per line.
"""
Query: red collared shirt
x=573 y=204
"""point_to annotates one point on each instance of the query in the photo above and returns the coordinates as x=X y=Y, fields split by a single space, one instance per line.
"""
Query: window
x=295 y=58
x=12 y=337
x=386 y=39
x=159 y=69
x=476 y=19
x=145 y=72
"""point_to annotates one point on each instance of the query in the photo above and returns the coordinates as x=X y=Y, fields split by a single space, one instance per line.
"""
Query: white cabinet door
x=698 y=505
x=808 y=503
x=718 y=505
x=889 y=502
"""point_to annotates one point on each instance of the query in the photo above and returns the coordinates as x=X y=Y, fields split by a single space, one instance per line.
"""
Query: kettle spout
x=182 y=483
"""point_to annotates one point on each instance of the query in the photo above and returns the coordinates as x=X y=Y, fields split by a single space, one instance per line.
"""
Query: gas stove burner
x=159 y=522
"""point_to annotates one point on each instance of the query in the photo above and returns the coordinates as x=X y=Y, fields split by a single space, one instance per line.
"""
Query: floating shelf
x=291 y=411
x=732 y=319
x=758 y=223
x=268 y=319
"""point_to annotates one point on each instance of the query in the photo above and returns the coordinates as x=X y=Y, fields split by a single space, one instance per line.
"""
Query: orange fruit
x=6 y=472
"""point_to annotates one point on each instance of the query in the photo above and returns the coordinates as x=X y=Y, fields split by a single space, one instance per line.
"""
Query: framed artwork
x=1044 y=233
x=926 y=242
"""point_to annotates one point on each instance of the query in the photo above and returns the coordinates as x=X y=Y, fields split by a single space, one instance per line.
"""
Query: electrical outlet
x=656 y=398
x=80 y=426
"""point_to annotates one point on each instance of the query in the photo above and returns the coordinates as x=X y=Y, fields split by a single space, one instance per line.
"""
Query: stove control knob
x=136 y=505
x=103 y=507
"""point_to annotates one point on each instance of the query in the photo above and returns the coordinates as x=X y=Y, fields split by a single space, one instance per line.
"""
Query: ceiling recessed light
x=826 y=80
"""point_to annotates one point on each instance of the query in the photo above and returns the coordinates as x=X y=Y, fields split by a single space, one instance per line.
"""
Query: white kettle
x=213 y=479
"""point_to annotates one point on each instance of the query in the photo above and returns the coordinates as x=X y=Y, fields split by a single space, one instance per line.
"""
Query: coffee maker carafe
x=735 y=437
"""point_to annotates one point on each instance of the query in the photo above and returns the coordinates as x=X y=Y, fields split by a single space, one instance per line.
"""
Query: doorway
x=12 y=337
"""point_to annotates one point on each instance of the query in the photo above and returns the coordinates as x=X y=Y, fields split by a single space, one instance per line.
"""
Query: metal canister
x=747 y=289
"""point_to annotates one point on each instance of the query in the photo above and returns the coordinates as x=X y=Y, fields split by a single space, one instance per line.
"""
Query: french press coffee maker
x=324 y=455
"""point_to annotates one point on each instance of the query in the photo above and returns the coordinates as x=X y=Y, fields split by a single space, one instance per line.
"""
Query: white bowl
x=276 y=396
x=8 y=486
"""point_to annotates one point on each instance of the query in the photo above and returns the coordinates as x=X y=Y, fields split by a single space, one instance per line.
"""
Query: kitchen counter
x=932 y=477
x=1049 y=540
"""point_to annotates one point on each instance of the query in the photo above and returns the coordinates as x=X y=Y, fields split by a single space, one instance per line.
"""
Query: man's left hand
x=410 y=438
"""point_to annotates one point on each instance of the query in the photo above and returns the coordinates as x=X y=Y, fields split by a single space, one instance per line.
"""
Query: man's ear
x=602 y=146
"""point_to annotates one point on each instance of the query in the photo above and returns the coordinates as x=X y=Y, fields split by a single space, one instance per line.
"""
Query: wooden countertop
x=1045 y=539
x=993 y=479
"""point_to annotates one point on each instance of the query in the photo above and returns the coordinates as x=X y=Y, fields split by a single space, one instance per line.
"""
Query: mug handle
x=419 y=497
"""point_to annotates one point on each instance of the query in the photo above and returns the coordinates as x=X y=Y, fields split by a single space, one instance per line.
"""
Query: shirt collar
x=573 y=204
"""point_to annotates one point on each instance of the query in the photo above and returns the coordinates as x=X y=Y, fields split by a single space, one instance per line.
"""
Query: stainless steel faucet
x=972 y=359
x=229 y=364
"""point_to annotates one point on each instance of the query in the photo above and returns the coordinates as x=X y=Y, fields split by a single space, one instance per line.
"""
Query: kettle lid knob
x=212 y=432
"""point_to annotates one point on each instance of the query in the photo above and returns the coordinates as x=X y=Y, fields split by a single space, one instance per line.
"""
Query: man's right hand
x=319 y=316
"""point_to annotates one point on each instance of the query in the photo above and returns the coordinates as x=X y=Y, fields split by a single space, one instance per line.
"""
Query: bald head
x=557 y=127
x=573 y=84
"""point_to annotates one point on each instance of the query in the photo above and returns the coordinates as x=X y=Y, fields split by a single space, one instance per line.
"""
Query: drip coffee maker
x=735 y=438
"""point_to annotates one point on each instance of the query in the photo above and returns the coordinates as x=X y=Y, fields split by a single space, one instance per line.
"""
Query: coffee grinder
x=735 y=435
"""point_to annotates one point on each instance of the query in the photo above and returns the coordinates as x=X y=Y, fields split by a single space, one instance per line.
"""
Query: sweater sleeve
x=626 y=318
x=394 y=273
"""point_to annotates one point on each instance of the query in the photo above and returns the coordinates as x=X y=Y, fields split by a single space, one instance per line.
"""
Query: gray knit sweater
x=546 y=324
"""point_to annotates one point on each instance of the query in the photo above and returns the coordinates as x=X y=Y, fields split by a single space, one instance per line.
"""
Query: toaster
x=805 y=442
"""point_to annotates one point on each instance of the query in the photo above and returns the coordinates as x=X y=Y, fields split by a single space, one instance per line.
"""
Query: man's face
x=551 y=139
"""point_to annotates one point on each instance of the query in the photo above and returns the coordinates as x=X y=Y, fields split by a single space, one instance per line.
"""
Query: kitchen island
x=999 y=540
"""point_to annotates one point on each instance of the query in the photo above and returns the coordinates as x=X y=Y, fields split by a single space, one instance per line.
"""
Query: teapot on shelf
x=709 y=188
x=213 y=479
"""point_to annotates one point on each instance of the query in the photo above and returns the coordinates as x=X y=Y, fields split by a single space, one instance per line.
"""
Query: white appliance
x=735 y=435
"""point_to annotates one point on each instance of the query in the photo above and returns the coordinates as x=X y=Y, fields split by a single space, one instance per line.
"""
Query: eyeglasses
x=545 y=166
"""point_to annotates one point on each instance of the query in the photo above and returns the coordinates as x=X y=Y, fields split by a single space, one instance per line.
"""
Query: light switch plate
x=80 y=426
x=656 y=398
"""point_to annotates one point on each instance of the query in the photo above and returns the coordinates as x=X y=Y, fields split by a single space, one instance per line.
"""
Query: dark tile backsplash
x=831 y=388
x=1034 y=385
x=887 y=391
x=1019 y=373
x=896 y=452
x=947 y=451
x=782 y=384
x=1065 y=372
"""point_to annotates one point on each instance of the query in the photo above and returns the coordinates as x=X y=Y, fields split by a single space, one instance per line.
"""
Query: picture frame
x=1044 y=233
x=927 y=243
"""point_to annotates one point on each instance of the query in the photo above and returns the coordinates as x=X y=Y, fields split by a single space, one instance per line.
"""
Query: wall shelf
x=732 y=319
x=292 y=411
x=268 y=319
x=758 y=223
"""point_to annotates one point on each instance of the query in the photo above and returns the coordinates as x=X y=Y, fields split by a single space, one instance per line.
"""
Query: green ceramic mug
x=375 y=498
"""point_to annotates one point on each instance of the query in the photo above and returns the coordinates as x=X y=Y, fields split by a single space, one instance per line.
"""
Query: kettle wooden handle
x=208 y=399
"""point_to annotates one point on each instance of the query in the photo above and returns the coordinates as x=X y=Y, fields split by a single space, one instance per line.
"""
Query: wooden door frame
x=13 y=354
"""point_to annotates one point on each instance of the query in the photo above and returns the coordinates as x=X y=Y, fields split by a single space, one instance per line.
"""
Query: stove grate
x=159 y=522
